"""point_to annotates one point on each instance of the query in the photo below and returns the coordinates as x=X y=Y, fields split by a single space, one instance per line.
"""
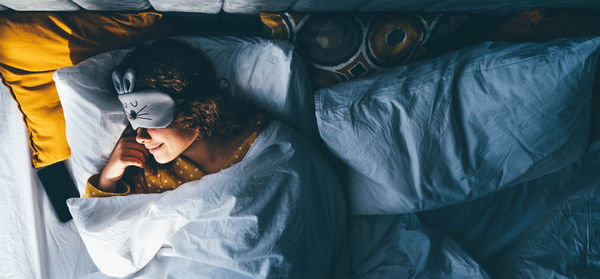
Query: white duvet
x=279 y=213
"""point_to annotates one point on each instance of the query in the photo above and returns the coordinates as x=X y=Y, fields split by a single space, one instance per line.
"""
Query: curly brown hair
x=190 y=78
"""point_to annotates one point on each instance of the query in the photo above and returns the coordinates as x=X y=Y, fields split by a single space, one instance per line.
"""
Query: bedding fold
x=398 y=246
x=279 y=213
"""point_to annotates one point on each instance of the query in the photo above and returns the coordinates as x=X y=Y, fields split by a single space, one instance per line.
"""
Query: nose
x=142 y=135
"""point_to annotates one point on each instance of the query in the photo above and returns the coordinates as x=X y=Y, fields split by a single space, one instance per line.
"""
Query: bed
x=528 y=207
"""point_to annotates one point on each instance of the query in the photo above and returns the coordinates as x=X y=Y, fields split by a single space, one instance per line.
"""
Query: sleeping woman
x=187 y=126
x=258 y=201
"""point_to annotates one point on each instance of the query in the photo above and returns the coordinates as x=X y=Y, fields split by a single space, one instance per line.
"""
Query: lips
x=154 y=148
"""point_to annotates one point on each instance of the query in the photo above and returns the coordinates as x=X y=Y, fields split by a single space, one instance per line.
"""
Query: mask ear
x=116 y=79
x=125 y=83
x=129 y=80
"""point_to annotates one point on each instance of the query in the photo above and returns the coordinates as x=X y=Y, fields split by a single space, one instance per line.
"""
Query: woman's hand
x=127 y=152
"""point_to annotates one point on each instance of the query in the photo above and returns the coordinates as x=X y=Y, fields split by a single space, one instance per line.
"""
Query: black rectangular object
x=59 y=187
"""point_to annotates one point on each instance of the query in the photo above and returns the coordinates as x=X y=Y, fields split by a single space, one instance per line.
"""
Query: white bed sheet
x=33 y=242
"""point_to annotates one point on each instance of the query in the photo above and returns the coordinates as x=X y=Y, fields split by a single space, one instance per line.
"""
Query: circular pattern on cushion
x=330 y=40
x=390 y=39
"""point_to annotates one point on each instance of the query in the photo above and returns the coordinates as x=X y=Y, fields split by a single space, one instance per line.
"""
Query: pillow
x=462 y=125
x=34 y=45
x=262 y=72
x=341 y=47
x=41 y=5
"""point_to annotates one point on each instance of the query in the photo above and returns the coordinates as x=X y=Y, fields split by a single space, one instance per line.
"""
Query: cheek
x=177 y=142
x=186 y=137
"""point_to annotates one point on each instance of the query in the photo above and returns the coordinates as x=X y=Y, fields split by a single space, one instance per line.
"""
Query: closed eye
x=136 y=103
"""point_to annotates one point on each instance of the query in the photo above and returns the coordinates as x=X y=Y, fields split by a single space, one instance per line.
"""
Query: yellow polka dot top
x=162 y=178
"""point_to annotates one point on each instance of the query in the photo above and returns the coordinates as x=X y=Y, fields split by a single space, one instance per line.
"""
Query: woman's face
x=165 y=144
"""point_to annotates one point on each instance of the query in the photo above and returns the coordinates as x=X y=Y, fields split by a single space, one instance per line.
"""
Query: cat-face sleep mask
x=149 y=108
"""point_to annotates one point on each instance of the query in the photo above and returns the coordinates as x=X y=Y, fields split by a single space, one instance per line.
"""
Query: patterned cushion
x=341 y=47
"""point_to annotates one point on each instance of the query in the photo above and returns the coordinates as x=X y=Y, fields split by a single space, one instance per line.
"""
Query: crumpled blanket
x=279 y=213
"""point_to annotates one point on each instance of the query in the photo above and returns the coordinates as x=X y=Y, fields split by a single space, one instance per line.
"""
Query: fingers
x=134 y=153
x=127 y=152
x=130 y=153
x=130 y=143
x=133 y=161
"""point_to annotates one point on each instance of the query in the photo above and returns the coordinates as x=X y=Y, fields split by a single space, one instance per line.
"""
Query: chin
x=162 y=159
